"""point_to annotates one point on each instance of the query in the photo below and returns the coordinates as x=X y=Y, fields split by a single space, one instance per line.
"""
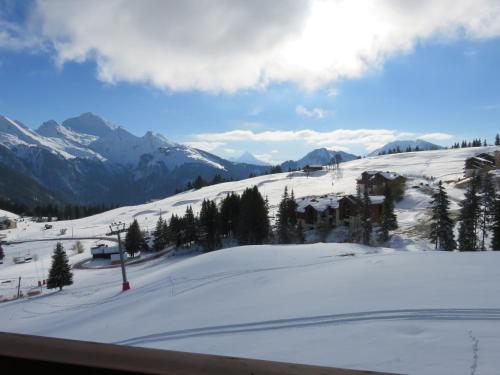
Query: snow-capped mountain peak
x=248 y=158
x=89 y=123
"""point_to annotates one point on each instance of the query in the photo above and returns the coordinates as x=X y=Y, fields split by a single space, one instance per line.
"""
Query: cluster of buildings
x=333 y=210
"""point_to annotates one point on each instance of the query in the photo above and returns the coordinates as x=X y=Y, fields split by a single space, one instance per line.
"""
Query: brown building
x=375 y=183
x=481 y=163
x=333 y=210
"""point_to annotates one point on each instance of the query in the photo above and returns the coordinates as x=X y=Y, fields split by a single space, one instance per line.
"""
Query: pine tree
x=209 y=225
x=282 y=219
x=469 y=218
x=441 y=233
x=134 y=240
x=366 y=219
x=487 y=207
x=253 y=226
x=2 y=254
x=189 y=223
x=497 y=140
x=229 y=215
x=159 y=239
x=60 y=273
x=389 y=220
x=495 y=227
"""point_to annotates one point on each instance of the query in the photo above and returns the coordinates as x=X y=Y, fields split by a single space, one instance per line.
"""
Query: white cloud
x=205 y=146
x=314 y=112
x=238 y=44
x=274 y=151
x=436 y=137
x=339 y=139
x=230 y=151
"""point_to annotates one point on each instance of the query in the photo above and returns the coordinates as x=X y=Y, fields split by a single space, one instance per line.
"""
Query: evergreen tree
x=209 y=225
x=134 y=240
x=175 y=231
x=2 y=254
x=469 y=217
x=229 y=215
x=497 y=140
x=441 y=233
x=389 y=220
x=253 y=226
x=60 y=273
x=189 y=224
x=495 y=227
x=159 y=238
x=199 y=182
x=487 y=206
x=366 y=219
x=286 y=217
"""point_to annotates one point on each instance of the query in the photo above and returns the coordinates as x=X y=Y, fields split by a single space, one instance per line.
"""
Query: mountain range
x=87 y=160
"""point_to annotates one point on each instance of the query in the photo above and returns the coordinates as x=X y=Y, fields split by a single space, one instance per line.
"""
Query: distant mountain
x=403 y=145
x=321 y=156
x=248 y=158
x=88 y=160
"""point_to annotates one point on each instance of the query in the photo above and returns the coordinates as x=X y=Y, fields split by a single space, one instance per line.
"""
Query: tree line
x=241 y=218
x=479 y=217
x=54 y=211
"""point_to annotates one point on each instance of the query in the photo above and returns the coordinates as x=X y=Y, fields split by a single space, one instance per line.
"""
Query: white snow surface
x=405 y=310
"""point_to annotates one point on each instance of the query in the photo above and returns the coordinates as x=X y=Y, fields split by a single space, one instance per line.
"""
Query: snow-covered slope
x=402 y=310
x=440 y=164
x=4 y=213
x=403 y=145
x=377 y=309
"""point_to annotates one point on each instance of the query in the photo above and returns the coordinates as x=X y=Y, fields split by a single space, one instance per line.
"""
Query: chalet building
x=313 y=211
x=312 y=168
x=482 y=163
x=7 y=223
x=375 y=183
x=332 y=210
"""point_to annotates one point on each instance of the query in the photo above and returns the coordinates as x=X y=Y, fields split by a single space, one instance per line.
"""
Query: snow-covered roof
x=495 y=172
x=377 y=199
x=318 y=203
x=386 y=175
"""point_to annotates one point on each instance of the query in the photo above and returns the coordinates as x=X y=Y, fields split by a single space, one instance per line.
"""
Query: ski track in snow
x=475 y=353
x=334 y=319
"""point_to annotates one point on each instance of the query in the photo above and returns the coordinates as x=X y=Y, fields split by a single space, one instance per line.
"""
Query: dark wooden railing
x=40 y=355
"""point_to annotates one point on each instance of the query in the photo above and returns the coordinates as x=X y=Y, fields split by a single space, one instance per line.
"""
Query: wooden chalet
x=375 y=183
x=480 y=163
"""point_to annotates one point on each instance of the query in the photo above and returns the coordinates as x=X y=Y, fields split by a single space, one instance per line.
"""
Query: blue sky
x=441 y=88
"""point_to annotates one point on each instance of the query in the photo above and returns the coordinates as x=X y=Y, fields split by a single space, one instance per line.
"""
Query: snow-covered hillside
x=402 y=310
x=446 y=165
x=403 y=145
x=377 y=309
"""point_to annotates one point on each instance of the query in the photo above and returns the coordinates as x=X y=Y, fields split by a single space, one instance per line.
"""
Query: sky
x=277 y=79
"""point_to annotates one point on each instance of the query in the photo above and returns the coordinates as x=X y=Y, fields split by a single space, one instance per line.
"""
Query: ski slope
x=329 y=304
x=399 y=309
